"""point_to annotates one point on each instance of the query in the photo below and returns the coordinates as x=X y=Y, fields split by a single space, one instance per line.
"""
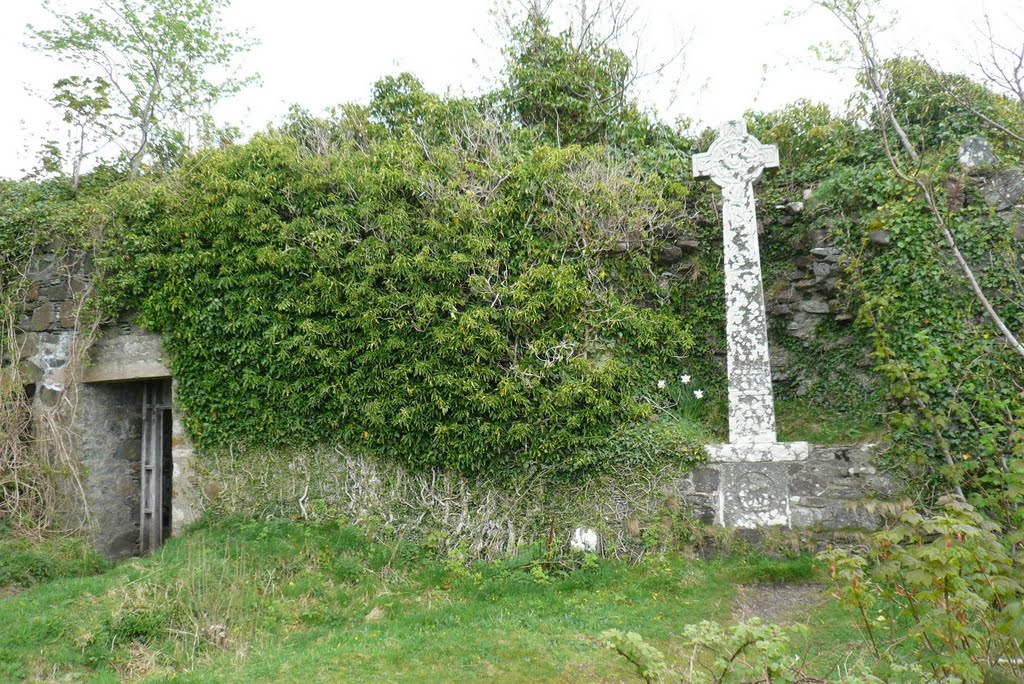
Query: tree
x=577 y=86
x=141 y=76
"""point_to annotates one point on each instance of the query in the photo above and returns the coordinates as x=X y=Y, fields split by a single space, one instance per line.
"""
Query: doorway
x=157 y=467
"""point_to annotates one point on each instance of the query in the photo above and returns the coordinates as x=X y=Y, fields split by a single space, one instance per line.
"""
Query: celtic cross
x=734 y=161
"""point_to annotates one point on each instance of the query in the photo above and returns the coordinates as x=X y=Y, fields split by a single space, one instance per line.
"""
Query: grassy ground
x=800 y=422
x=287 y=602
x=30 y=560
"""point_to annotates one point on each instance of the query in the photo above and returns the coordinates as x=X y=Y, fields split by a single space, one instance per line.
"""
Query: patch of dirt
x=781 y=604
x=9 y=591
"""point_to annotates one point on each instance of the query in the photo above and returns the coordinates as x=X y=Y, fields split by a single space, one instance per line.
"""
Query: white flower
x=584 y=540
x=661 y=384
x=698 y=393
x=685 y=379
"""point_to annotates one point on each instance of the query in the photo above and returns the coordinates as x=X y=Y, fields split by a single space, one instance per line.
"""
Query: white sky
x=739 y=54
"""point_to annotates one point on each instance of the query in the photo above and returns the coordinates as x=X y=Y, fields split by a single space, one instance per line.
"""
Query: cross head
x=736 y=158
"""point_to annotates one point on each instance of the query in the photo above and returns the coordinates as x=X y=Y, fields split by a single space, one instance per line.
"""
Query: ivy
x=469 y=301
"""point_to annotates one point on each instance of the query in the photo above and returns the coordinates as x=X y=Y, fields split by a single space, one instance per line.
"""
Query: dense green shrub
x=445 y=295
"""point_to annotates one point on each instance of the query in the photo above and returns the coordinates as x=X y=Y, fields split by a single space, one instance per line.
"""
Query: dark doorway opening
x=157 y=466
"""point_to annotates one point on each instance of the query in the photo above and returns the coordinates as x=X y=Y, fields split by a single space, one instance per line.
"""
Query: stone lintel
x=757 y=452
x=120 y=356
x=123 y=372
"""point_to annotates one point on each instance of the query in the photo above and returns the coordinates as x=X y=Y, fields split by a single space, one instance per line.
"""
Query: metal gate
x=154 y=523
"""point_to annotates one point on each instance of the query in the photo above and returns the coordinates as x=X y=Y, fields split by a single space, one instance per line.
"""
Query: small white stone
x=584 y=539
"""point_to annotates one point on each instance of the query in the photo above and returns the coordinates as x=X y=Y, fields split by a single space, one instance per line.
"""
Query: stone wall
x=801 y=300
x=47 y=325
x=632 y=510
x=99 y=396
x=110 y=430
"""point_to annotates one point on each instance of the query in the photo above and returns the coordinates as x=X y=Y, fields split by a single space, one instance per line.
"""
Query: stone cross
x=734 y=162
x=753 y=491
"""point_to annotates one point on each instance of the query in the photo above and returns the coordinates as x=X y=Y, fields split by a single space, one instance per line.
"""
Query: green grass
x=799 y=421
x=26 y=561
x=287 y=602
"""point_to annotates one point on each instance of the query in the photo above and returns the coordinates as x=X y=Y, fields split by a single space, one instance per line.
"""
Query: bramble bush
x=747 y=653
x=940 y=595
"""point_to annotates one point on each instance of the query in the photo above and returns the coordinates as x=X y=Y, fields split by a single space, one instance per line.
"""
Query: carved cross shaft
x=734 y=161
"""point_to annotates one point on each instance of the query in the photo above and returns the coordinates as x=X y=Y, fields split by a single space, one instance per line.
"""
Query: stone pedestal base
x=823 y=492
x=754 y=480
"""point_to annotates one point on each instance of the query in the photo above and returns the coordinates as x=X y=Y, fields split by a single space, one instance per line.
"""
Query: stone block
x=118 y=356
x=812 y=501
x=705 y=480
x=804 y=325
x=805 y=517
x=28 y=344
x=787 y=296
x=814 y=306
x=753 y=495
x=669 y=254
x=822 y=269
x=42 y=318
x=815 y=479
x=704 y=507
x=30 y=372
x=68 y=314
x=57 y=292
x=757 y=452
x=881 y=485
x=1004 y=189
x=32 y=293
x=976 y=152
x=845 y=453
x=41 y=268
x=49 y=396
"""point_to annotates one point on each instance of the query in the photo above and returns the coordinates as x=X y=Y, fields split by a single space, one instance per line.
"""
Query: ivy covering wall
x=468 y=300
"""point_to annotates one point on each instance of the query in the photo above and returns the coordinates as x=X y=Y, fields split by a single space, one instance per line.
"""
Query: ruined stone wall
x=807 y=298
x=91 y=385
x=48 y=324
x=632 y=511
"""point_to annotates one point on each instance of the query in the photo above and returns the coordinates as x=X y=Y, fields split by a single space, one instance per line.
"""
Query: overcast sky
x=738 y=54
